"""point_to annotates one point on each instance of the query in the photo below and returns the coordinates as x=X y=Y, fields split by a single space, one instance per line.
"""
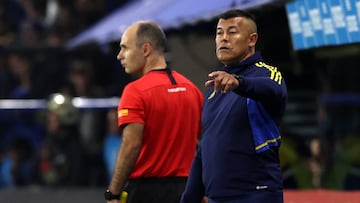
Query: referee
x=159 y=114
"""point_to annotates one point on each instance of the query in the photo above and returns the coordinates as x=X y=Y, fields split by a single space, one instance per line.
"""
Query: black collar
x=169 y=73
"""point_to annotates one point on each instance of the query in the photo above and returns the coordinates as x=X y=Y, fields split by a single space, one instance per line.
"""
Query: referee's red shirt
x=171 y=117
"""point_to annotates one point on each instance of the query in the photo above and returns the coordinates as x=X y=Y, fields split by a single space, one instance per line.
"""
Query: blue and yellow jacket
x=238 y=153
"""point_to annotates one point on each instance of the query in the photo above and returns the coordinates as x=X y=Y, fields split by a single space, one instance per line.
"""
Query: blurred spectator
x=30 y=34
x=29 y=9
x=60 y=161
x=316 y=162
x=82 y=84
x=343 y=173
x=65 y=24
x=26 y=78
x=82 y=79
x=5 y=170
x=20 y=66
x=21 y=152
x=294 y=164
x=88 y=12
x=13 y=13
x=91 y=121
x=20 y=122
x=16 y=162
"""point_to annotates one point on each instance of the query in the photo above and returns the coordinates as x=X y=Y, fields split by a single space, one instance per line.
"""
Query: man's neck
x=158 y=64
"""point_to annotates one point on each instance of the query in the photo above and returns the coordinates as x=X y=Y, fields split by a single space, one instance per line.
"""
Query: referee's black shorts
x=155 y=190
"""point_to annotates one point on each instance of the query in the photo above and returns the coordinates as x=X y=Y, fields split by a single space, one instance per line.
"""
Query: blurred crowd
x=49 y=22
x=59 y=145
x=328 y=158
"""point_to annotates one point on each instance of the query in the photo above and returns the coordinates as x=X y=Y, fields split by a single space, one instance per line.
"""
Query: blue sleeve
x=194 y=190
x=262 y=88
x=272 y=94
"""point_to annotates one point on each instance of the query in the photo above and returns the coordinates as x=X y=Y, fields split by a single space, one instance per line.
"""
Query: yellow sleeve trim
x=267 y=142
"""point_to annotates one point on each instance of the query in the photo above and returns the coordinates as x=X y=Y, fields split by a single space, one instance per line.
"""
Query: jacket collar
x=244 y=64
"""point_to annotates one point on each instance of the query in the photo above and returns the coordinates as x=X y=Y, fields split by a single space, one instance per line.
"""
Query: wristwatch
x=110 y=196
x=238 y=77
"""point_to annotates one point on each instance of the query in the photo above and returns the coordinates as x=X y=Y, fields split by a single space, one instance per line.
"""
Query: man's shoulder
x=262 y=66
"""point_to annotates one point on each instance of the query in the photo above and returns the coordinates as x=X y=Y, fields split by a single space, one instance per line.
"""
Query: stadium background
x=321 y=148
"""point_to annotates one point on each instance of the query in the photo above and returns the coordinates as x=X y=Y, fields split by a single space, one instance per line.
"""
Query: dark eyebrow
x=231 y=27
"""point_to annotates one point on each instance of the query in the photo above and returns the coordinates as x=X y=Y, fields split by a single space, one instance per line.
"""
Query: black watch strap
x=110 y=196
x=239 y=78
x=241 y=81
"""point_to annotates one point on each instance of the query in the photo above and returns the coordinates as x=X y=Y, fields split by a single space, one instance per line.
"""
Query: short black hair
x=237 y=13
x=150 y=32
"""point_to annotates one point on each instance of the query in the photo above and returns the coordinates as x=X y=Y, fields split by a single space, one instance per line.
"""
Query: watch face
x=107 y=195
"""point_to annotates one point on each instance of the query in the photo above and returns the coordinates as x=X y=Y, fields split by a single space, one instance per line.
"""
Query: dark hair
x=149 y=32
x=237 y=13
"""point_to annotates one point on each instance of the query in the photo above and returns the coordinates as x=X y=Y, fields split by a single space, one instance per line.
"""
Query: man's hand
x=222 y=81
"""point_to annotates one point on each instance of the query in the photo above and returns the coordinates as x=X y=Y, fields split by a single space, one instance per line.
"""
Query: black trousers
x=155 y=190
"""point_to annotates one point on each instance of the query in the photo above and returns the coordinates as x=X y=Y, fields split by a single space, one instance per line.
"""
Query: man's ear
x=147 y=49
x=253 y=39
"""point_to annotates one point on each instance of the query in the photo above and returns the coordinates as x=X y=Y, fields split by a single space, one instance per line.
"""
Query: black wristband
x=110 y=196
x=239 y=78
